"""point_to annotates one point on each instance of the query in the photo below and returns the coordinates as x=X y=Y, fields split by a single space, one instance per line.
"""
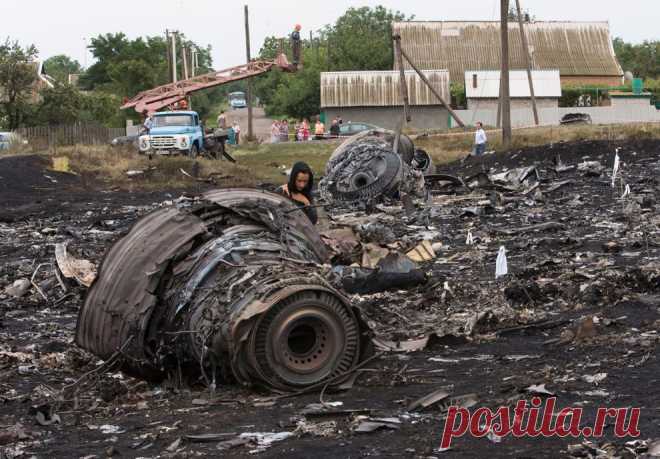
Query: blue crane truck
x=172 y=133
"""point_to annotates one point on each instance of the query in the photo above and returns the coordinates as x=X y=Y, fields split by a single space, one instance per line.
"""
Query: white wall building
x=482 y=88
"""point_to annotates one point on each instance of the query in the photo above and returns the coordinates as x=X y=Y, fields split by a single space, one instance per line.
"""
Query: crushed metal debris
x=575 y=318
x=366 y=168
x=230 y=285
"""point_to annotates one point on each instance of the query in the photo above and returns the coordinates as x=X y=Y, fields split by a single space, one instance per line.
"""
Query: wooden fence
x=73 y=134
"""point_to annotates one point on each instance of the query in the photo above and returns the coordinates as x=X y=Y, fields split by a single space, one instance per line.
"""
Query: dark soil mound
x=27 y=181
x=568 y=152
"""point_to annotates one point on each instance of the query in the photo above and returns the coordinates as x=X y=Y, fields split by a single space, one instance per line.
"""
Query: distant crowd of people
x=280 y=130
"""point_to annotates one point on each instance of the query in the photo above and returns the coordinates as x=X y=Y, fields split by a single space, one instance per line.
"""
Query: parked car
x=7 y=139
x=349 y=129
x=575 y=118
x=4 y=140
x=126 y=140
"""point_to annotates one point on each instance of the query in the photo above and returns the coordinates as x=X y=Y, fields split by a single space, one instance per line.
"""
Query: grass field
x=444 y=148
x=267 y=162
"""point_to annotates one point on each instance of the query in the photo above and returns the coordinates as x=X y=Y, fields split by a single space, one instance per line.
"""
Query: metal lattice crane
x=160 y=97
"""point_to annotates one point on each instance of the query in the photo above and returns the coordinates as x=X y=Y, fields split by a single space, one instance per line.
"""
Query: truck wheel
x=194 y=151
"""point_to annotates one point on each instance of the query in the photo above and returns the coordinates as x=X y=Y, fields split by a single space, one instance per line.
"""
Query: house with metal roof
x=581 y=51
x=41 y=81
x=482 y=88
x=374 y=97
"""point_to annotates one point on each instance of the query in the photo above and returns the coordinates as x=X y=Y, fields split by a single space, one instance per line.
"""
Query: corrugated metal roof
x=575 y=48
x=546 y=83
x=380 y=88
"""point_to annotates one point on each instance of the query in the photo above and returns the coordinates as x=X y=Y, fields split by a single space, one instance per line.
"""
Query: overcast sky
x=65 y=26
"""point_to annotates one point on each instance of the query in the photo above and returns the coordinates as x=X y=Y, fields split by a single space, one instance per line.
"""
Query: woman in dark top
x=299 y=189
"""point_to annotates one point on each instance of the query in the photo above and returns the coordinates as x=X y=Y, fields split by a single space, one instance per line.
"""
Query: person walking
x=284 y=131
x=334 y=127
x=148 y=122
x=237 y=132
x=275 y=132
x=305 y=129
x=319 y=130
x=480 y=140
x=297 y=132
x=222 y=120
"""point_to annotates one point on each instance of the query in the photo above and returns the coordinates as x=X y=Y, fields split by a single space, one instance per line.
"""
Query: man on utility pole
x=504 y=80
x=295 y=44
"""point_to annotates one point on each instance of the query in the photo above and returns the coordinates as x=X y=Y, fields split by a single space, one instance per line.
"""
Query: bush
x=457 y=91
x=570 y=94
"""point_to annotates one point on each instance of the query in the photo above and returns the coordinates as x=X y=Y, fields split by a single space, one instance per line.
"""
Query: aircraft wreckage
x=231 y=287
x=369 y=166
x=228 y=287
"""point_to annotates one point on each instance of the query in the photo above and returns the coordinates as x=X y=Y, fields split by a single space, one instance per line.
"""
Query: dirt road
x=260 y=122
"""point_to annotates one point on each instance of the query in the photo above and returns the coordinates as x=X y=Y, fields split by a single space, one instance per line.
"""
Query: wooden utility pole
x=193 y=62
x=173 y=49
x=499 y=104
x=250 y=135
x=403 y=86
x=168 y=45
x=528 y=63
x=186 y=75
x=433 y=90
x=184 y=60
x=506 y=100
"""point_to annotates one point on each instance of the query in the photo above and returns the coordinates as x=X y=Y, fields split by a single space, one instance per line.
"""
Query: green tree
x=298 y=95
x=18 y=76
x=526 y=16
x=361 y=39
x=65 y=104
x=102 y=107
x=643 y=59
x=125 y=67
x=271 y=47
x=457 y=91
x=60 y=67
x=59 y=105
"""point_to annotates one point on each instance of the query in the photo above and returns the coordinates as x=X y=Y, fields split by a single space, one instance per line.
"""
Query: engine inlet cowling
x=366 y=168
x=228 y=288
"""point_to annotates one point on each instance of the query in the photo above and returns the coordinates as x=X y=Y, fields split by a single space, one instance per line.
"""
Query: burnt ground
x=582 y=298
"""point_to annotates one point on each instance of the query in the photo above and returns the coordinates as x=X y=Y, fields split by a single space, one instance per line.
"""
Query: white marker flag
x=501 y=268
x=616 y=166
x=626 y=192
